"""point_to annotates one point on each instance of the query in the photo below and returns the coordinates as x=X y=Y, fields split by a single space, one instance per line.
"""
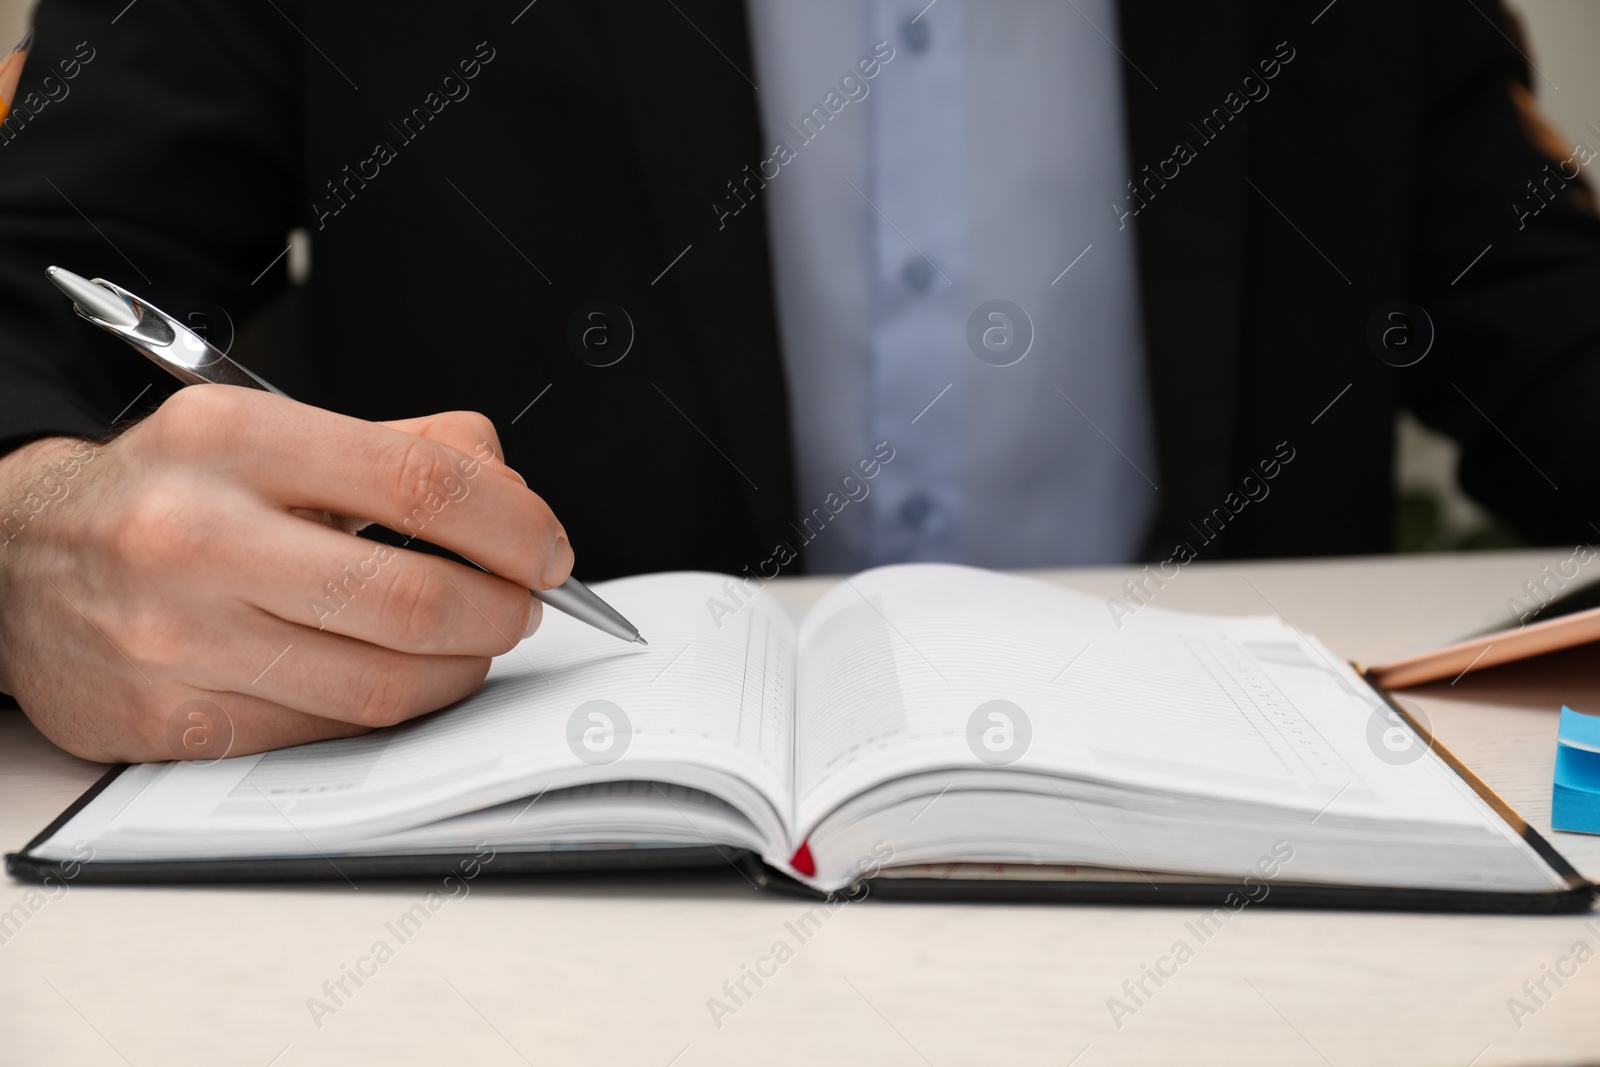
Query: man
x=1079 y=285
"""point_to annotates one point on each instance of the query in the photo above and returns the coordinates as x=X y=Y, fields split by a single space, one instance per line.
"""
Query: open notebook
x=922 y=728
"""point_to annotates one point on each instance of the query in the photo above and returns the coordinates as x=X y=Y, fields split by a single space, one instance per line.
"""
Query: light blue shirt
x=977 y=163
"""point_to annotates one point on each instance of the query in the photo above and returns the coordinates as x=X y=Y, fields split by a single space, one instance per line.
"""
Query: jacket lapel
x=1189 y=241
x=684 y=70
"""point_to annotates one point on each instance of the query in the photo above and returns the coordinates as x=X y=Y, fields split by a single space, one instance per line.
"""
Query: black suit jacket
x=591 y=145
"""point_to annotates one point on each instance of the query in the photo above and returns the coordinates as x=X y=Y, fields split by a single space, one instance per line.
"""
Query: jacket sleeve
x=153 y=144
x=1509 y=271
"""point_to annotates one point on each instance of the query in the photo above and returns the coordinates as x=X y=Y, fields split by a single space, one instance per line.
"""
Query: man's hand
x=181 y=593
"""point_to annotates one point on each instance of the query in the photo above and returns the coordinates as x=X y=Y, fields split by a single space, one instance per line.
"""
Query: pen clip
x=168 y=342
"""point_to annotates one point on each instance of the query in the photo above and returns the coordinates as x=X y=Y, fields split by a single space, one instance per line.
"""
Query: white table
x=587 y=971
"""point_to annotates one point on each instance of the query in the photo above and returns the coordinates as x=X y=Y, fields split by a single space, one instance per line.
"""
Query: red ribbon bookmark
x=802 y=861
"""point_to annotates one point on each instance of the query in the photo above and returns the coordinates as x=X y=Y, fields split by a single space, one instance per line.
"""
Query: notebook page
x=639 y=813
x=899 y=667
x=712 y=691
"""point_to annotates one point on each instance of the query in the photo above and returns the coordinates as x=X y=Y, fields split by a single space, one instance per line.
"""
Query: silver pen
x=191 y=358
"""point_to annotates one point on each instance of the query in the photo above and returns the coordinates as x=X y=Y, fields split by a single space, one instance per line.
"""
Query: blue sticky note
x=1575 y=804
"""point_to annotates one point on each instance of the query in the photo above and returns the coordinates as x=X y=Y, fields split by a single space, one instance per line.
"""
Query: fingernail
x=560 y=564
x=518 y=477
x=535 y=613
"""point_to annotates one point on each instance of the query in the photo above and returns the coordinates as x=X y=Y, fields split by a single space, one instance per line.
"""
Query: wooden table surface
x=620 y=970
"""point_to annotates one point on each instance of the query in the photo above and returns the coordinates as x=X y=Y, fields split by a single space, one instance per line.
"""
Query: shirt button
x=916 y=36
x=917 y=510
x=917 y=274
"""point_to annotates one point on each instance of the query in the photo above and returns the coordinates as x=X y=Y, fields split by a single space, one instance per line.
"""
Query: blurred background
x=1433 y=515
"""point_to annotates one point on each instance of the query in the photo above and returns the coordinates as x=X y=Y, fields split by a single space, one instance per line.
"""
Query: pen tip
x=640 y=641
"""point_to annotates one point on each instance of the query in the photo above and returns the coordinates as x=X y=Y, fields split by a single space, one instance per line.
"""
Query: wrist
x=33 y=477
x=29 y=463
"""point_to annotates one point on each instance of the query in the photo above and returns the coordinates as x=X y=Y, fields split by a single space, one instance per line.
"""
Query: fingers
x=301 y=456
x=330 y=676
x=467 y=432
x=247 y=724
x=309 y=575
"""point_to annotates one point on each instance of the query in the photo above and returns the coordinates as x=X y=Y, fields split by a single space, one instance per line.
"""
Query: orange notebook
x=1562 y=622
